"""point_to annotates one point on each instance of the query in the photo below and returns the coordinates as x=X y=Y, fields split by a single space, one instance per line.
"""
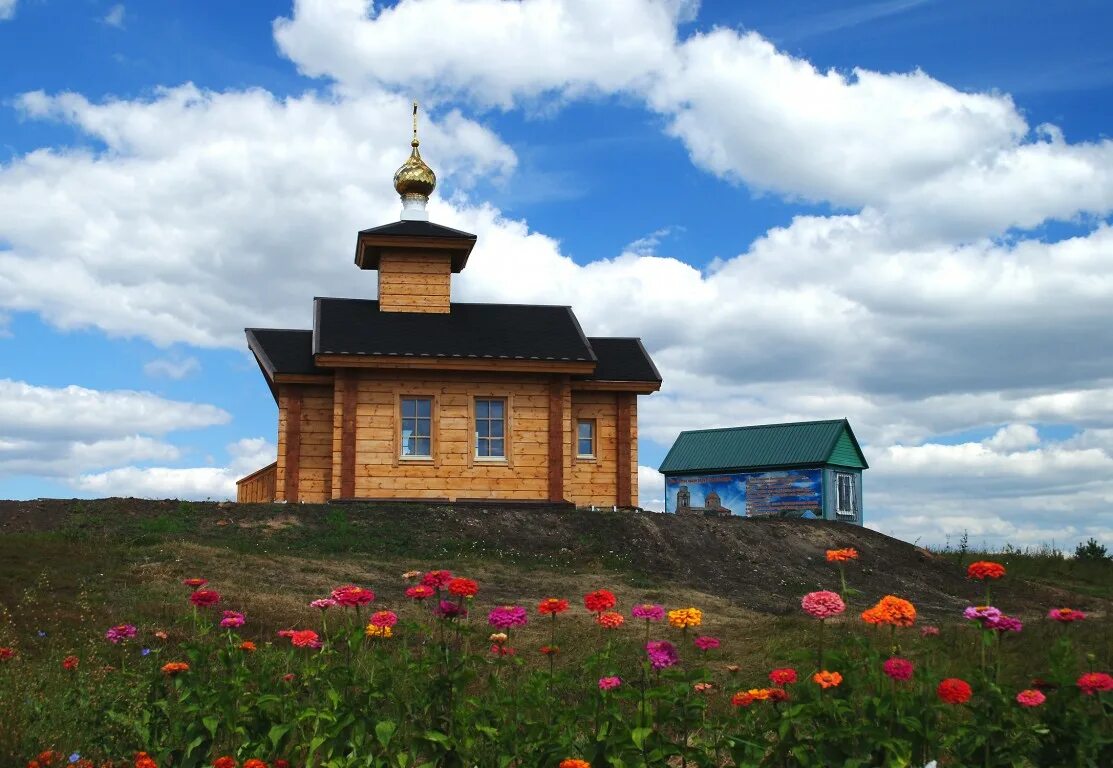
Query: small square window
x=490 y=428
x=585 y=438
x=417 y=427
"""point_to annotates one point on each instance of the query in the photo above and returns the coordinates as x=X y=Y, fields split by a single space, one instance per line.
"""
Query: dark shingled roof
x=488 y=331
x=622 y=359
x=415 y=229
x=282 y=350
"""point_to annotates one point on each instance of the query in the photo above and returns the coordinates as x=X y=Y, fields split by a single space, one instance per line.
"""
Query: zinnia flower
x=982 y=613
x=572 y=762
x=195 y=583
x=120 y=632
x=984 y=569
x=1065 y=615
x=224 y=762
x=609 y=683
x=891 y=610
x=161 y=635
x=600 y=600
x=507 y=616
x=450 y=610
x=232 y=619
x=1095 y=682
x=254 y=763
x=174 y=668
x=954 y=691
x=70 y=663
x=1030 y=698
x=648 y=612
x=929 y=631
x=498 y=637
x=741 y=699
x=462 y=587
x=822 y=604
x=610 y=620
x=782 y=677
x=549 y=650
x=205 y=598
x=898 y=669
x=706 y=643
x=662 y=654
x=411 y=575
x=7 y=653
x=703 y=687
x=287 y=633
x=351 y=596
x=552 y=605
x=374 y=630
x=323 y=603
x=143 y=760
x=683 y=618
x=247 y=646
x=305 y=638
x=289 y=677
x=419 y=592
x=1005 y=623
x=841 y=555
x=825 y=679
x=384 y=618
x=437 y=579
x=502 y=650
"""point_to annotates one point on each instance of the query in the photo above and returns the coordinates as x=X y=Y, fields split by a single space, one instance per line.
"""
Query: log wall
x=414 y=283
x=258 y=487
x=304 y=467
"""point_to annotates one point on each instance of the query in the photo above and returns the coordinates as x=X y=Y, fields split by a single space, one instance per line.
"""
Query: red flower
x=742 y=699
x=783 y=676
x=6 y=653
x=552 y=605
x=419 y=592
x=954 y=691
x=280 y=763
x=437 y=579
x=599 y=600
x=898 y=669
x=289 y=677
x=195 y=583
x=352 y=596
x=173 y=668
x=247 y=646
x=204 y=598
x=1095 y=682
x=777 y=694
x=224 y=762
x=984 y=569
x=549 y=650
x=254 y=763
x=462 y=587
x=305 y=638
x=70 y=663
x=48 y=757
x=143 y=760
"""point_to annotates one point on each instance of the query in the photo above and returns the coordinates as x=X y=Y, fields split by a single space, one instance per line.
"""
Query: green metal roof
x=767 y=446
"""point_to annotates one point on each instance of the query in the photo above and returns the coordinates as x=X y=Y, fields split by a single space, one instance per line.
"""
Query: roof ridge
x=455 y=303
x=762 y=426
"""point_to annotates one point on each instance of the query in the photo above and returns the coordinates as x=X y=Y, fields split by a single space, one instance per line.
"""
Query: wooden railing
x=259 y=486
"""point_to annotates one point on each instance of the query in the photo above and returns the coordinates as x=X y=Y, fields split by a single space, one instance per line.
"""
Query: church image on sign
x=809 y=469
x=414 y=396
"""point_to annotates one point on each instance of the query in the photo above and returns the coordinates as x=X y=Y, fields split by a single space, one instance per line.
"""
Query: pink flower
x=898 y=669
x=419 y=592
x=437 y=579
x=609 y=683
x=1065 y=615
x=662 y=654
x=120 y=632
x=648 y=611
x=1095 y=682
x=384 y=619
x=451 y=610
x=982 y=613
x=324 y=603
x=822 y=604
x=1030 y=698
x=706 y=643
x=507 y=616
x=305 y=638
x=351 y=596
x=232 y=619
x=204 y=598
x=1004 y=623
x=929 y=631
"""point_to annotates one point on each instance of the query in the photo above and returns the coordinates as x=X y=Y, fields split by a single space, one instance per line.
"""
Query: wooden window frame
x=507 y=428
x=434 y=428
x=853 y=512
x=586 y=457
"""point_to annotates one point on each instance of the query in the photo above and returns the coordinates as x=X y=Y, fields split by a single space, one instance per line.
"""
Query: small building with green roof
x=810 y=469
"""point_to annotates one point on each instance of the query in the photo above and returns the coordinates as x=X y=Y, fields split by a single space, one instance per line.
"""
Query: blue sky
x=866 y=262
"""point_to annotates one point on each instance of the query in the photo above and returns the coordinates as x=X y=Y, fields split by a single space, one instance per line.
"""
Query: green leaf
x=436 y=736
x=276 y=733
x=383 y=732
x=211 y=723
x=639 y=735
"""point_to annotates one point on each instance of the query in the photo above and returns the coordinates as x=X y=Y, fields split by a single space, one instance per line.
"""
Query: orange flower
x=891 y=610
x=254 y=763
x=827 y=679
x=174 y=667
x=984 y=569
x=552 y=605
x=574 y=763
x=143 y=760
x=611 y=620
x=685 y=617
x=841 y=555
x=702 y=687
x=224 y=762
x=247 y=646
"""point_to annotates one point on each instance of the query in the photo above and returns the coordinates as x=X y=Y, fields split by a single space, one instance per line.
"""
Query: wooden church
x=415 y=396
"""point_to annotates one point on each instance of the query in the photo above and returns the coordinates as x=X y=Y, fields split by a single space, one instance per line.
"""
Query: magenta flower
x=706 y=643
x=648 y=611
x=232 y=619
x=1004 y=623
x=507 y=616
x=450 y=610
x=982 y=613
x=384 y=619
x=1065 y=615
x=120 y=632
x=609 y=683
x=324 y=603
x=898 y=669
x=822 y=604
x=662 y=654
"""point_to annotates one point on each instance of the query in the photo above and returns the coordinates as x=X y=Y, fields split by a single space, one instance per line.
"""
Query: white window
x=417 y=427
x=845 y=500
x=585 y=438
x=490 y=428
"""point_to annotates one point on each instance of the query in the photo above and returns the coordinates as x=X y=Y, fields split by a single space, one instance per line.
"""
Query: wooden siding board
x=348 y=437
x=293 y=442
x=556 y=441
x=622 y=463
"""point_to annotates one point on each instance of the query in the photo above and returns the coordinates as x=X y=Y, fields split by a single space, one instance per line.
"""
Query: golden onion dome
x=415 y=178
